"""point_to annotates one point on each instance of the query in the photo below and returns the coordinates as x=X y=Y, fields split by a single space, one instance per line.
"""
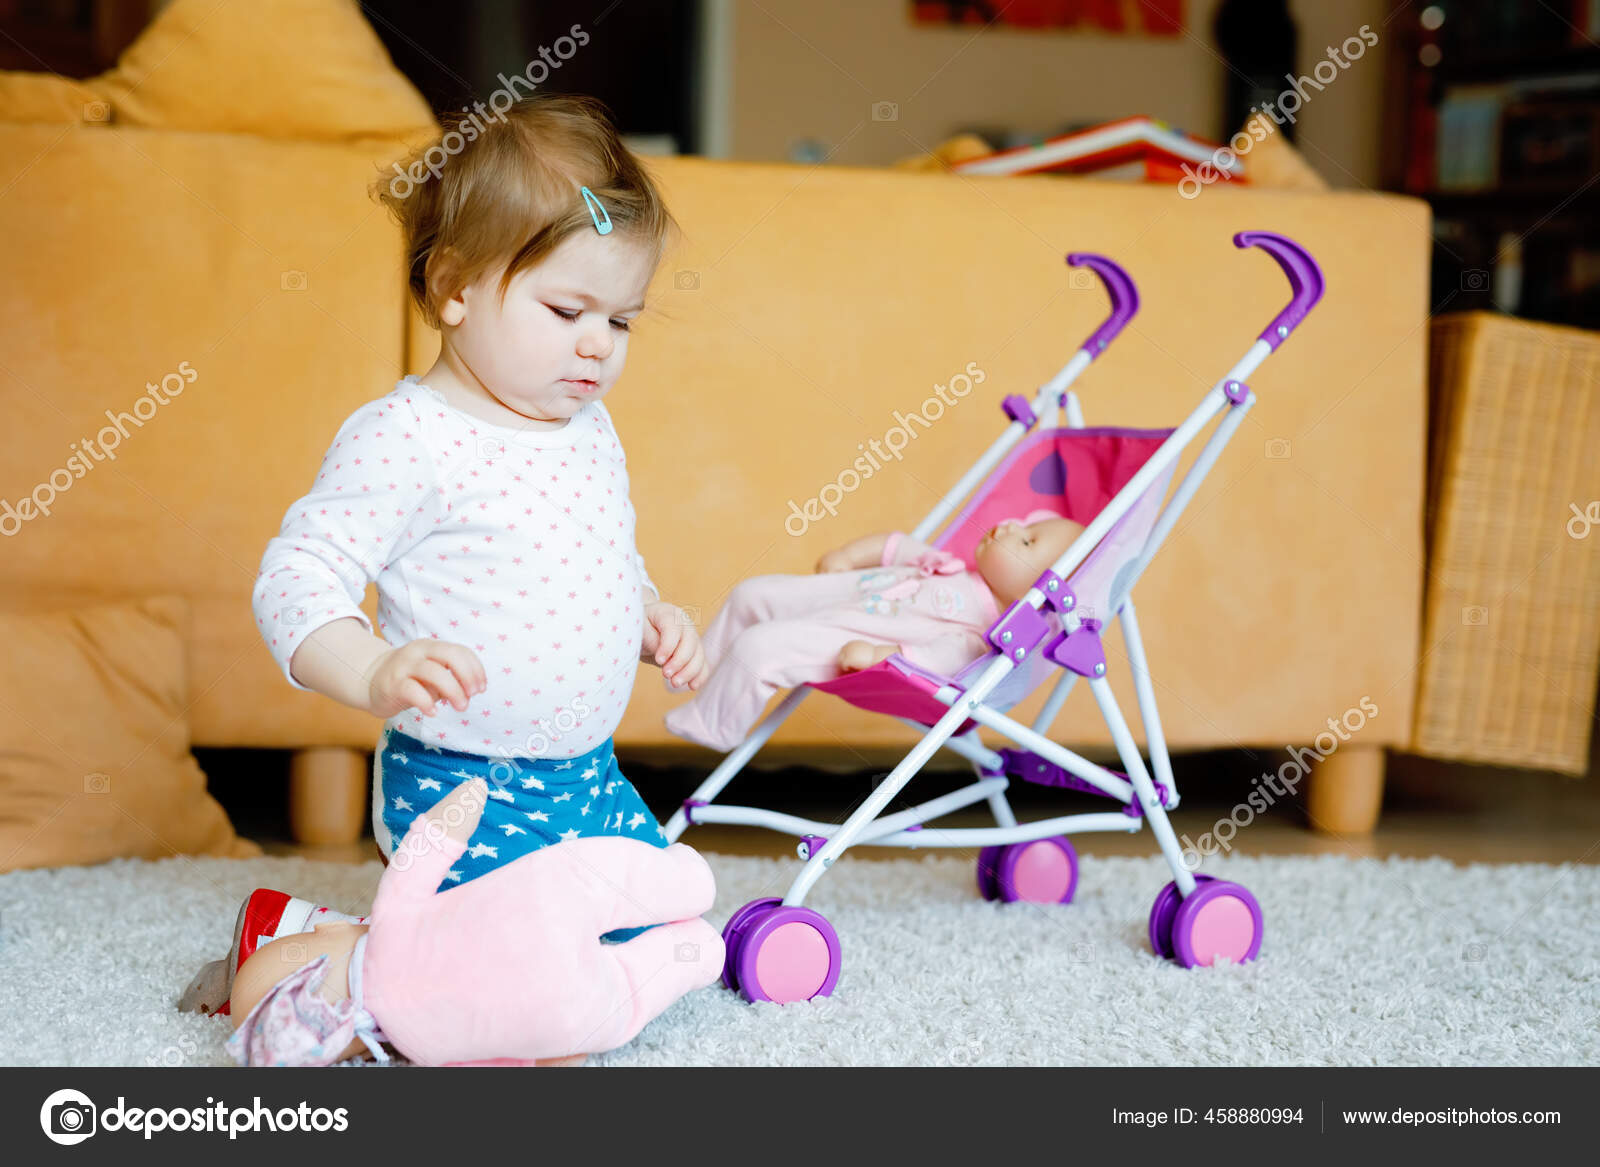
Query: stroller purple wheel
x=1043 y=871
x=787 y=954
x=1221 y=919
x=1161 y=914
x=733 y=932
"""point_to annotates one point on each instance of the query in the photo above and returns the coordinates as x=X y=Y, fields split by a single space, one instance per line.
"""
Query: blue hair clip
x=602 y=221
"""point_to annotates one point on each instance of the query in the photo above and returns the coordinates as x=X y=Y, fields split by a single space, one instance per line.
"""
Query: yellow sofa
x=205 y=205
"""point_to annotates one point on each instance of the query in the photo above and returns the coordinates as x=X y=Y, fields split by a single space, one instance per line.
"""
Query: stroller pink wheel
x=1043 y=871
x=988 y=865
x=788 y=954
x=1161 y=914
x=733 y=932
x=1221 y=919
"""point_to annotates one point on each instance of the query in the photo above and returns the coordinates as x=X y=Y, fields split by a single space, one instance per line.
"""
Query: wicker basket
x=1511 y=631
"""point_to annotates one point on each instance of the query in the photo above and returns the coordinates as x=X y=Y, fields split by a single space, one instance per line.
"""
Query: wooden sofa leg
x=330 y=791
x=1346 y=791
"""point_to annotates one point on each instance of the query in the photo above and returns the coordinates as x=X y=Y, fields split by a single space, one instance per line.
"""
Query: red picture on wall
x=1134 y=17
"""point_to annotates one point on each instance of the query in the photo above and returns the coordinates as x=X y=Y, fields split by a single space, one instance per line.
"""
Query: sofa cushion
x=204 y=350
x=45 y=97
x=94 y=744
x=243 y=67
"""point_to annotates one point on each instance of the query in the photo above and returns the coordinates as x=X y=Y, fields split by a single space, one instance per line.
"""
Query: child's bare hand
x=421 y=674
x=834 y=561
x=672 y=641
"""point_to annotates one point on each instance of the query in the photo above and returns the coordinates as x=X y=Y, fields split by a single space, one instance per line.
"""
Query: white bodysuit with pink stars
x=516 y=543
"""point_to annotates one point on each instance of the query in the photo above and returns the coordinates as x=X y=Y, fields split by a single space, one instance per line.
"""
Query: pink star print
x=311 y=565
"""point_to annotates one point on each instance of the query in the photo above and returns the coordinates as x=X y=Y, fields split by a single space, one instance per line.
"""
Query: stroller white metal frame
x=780 y=950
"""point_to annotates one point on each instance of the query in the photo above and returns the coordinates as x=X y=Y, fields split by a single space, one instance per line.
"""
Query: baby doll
x=779 y=631
x=488 y=501
x=505 y=970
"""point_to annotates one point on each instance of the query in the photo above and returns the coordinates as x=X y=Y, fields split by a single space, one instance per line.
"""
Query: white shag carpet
x=1365 y=962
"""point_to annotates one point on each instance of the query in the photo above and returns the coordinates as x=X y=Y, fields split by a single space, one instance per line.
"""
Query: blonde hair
x=509 y=193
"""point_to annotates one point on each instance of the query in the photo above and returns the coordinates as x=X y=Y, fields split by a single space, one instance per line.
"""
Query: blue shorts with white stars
x=533 y=802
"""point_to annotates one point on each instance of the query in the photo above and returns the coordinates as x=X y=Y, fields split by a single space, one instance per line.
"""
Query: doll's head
x=506 y=255
x=286 y=955
x=1012 y=555
x=270 y=963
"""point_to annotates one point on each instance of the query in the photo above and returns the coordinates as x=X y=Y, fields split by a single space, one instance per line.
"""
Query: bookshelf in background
x=1498 y=128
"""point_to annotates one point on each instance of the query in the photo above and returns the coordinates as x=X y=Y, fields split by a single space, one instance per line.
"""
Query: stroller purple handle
x=1124 y=298
x=1305 y=280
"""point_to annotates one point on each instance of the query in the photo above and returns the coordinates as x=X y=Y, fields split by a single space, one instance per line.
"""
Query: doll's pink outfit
x=779 y=631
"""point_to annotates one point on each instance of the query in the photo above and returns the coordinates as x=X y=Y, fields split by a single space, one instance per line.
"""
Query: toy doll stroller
x=1113 y=481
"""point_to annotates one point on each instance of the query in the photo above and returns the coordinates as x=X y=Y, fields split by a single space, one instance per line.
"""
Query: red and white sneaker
x=264 y=916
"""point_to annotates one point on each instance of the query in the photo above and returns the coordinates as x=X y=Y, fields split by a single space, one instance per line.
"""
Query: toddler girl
x=779 y=631
x=488 y=500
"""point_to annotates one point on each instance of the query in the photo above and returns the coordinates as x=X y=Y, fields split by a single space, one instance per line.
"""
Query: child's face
x=1012 y=556
x=559 y=339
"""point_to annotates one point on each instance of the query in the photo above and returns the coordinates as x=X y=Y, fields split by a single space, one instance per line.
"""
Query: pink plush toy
x=505 y=969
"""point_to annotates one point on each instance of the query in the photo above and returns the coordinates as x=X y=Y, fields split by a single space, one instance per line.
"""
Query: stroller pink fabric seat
x=1071 y=472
